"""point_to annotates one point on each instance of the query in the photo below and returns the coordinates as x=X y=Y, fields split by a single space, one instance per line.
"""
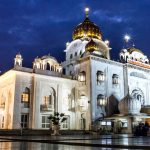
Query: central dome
x=87 y=29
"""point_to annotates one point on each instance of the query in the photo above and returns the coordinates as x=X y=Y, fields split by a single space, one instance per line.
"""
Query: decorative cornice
x=137 y=67
x=108 y=61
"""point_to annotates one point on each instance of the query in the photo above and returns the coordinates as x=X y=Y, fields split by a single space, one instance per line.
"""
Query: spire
x=87 y=12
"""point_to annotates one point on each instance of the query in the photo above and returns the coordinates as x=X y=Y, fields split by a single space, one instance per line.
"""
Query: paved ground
x=79 y=142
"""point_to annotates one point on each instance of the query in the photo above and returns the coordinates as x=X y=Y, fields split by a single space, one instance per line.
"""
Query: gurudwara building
x=92 y=90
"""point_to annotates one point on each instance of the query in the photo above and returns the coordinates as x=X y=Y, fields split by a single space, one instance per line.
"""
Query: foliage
x=57 y=118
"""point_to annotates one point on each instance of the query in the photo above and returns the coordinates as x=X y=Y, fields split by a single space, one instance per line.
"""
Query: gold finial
x=87 y=12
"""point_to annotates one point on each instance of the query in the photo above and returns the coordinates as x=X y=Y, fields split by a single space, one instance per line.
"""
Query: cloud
x=39 y=26
x=109 y=16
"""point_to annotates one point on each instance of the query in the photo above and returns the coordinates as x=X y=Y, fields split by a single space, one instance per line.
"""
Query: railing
x=45 y=107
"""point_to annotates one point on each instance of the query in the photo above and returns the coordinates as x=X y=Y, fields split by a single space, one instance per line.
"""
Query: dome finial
x=87 y=12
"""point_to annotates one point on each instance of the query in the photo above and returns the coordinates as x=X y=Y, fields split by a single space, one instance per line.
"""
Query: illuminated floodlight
x=127 y=38
x=87 y=9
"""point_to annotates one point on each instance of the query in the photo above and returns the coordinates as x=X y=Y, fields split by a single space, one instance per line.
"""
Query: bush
x=57 y=118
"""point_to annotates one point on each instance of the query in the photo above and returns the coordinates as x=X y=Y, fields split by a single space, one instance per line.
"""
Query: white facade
x=90 y=89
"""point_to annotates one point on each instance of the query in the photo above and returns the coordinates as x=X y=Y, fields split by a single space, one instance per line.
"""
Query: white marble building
x=90 y=88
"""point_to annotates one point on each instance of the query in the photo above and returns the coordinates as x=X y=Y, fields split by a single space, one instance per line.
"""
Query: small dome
x=91 y=46
x=18 y=55
x=133 y=49
x=87 y=29
x=48 y=57
x=129 y=105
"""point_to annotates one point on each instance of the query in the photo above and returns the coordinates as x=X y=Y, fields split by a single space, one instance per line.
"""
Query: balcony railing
x=45 y=107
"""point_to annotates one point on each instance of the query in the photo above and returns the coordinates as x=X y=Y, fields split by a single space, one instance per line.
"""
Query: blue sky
x=38 y=27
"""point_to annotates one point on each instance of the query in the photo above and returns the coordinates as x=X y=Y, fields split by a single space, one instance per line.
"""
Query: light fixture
x=87 y=9
x=87 y=12
x=127 y=38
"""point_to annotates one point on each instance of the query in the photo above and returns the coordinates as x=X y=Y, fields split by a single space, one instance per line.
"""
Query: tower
x=18 y=60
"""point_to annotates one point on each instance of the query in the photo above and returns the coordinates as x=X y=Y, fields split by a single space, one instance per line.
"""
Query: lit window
x=45 y=122
x=25 y=97
x=101 y=100
x=82 y=76
x=100 y=76
x=115 y=79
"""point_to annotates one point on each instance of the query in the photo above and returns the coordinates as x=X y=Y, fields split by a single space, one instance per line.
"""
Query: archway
x=48 y=67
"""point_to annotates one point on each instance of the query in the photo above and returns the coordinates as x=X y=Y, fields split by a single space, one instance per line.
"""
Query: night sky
x=38 y=27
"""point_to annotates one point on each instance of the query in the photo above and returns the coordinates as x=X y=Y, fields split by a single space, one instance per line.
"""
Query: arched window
x=71 y=56
x=115 y=79
x=48 y=66
x=26 y=96
x=48 y=101
x=101 y=100
x=75 y=54
x=52 y=68
x=121 y=57
x=100 y=76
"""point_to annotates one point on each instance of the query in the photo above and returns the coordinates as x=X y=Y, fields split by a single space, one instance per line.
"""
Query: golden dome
x=91 y=46
x=133 y=49
x=87 y=29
